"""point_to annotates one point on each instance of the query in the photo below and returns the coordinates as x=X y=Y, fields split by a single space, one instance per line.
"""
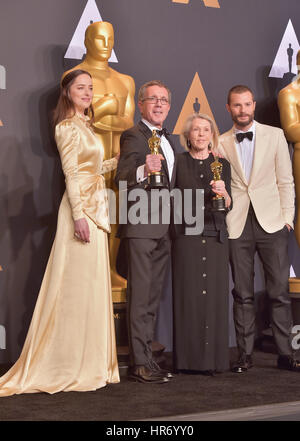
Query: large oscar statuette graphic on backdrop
x=218 y=202
x=155 y=179
x=289 y=107
x=114 y=112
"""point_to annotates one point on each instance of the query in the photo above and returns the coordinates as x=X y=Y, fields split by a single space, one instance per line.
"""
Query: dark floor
x=185 y=394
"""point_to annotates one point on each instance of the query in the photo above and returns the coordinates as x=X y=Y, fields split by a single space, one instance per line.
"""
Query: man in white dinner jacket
x=262 y=216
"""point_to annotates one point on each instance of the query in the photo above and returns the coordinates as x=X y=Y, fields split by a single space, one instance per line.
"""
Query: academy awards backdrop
x=199 y=48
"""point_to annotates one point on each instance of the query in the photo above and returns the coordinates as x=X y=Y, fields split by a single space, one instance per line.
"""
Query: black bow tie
x=242 y=135
x=162 y=132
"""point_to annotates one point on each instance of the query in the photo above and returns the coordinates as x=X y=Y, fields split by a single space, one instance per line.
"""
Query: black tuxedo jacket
x=133 y=150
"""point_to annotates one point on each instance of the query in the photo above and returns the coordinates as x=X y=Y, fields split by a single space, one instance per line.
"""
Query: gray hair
x=158 y=83
x=184 y=135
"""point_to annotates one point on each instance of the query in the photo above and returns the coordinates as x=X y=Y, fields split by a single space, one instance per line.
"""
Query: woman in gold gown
x=70 y=345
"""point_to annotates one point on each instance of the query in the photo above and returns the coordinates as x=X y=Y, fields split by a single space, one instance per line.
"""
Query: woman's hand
x=82 y=231
x=218 y=187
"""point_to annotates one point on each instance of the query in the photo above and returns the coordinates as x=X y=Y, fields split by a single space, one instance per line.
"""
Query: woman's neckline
x=199 y=159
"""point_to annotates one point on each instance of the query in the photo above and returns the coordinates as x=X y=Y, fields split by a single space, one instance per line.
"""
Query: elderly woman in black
x=200 y=262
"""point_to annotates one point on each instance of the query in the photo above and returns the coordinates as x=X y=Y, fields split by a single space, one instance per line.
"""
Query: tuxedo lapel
x=261 y=140
x=144 y=130
x=164 y=165
x=233 y=156
x=171 y=143
x=171 y=178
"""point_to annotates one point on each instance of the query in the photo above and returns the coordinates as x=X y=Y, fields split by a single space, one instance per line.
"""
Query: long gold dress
x=70 y=345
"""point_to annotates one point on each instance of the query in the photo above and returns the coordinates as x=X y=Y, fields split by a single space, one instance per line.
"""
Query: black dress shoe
x=288 y=363
x=243 y=364
x=143 y=374
x=156 y=368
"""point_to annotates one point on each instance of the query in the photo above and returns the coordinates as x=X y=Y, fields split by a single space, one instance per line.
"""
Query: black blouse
x=195 y=174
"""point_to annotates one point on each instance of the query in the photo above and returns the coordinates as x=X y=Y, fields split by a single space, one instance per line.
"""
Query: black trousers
x=272 y=249
x=147 y=264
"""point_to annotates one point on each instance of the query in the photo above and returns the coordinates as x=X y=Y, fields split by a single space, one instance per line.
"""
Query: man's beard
x=244 y=123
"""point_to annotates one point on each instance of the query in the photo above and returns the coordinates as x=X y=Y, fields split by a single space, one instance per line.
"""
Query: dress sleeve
x=67 y=139
x=109 y=165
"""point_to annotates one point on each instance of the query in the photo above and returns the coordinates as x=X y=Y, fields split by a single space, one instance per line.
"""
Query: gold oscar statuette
x=218 y=202
x=155 y=179
x=289 y=107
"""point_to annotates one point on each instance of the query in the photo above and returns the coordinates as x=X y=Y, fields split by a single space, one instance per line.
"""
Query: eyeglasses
x=154 y=100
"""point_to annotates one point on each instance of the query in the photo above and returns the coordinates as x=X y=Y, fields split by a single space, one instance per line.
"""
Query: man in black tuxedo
x=147 y=243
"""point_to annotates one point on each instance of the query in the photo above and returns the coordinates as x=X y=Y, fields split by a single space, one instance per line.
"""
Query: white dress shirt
x=245 y=151
x=167 y=151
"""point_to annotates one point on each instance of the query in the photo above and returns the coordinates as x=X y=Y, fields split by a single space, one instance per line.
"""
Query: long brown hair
x=65 y=105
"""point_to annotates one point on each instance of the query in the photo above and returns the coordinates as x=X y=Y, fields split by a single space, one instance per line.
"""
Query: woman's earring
x=188 y=144
x=210 y=146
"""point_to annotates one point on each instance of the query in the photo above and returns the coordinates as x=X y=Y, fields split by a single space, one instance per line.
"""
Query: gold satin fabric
x=70 y=345
x=82 y=161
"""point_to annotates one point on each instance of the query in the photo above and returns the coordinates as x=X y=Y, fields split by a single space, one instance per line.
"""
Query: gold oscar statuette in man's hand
x=155 y=179
x=218 y=202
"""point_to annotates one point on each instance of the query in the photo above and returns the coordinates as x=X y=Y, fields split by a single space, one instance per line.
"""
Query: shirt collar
x=149 y=125
x=251 y=129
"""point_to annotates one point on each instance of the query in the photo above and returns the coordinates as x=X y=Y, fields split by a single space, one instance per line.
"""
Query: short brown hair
x=239 y=89
x=65 y=105
x=153 y=83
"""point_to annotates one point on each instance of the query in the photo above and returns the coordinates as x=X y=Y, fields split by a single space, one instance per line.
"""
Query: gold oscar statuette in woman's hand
x=218 y=202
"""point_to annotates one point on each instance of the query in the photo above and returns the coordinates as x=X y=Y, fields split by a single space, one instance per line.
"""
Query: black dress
x=201 y=276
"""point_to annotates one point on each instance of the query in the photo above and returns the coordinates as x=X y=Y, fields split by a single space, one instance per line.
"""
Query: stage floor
x=262 y=393
x=270 y=412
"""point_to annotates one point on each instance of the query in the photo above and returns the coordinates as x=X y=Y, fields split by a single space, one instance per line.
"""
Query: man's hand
x=153 y=163
x=288 y=227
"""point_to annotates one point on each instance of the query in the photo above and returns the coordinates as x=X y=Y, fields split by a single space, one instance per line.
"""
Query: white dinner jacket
x=271 y=185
